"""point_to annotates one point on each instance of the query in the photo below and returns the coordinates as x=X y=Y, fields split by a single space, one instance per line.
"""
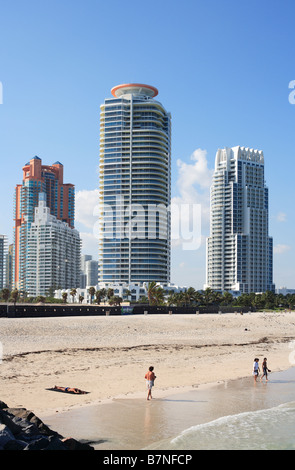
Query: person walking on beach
x=150 y=378
x=265 y=370
x=256 y=368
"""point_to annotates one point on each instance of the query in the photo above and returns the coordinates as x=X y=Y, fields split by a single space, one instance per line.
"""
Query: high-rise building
x=3 y=255
x=83 y=276
x=54 y=253
x=60 y=198
x=89 y=271
x=9 y=267
x=239 y=249
x=135 y=167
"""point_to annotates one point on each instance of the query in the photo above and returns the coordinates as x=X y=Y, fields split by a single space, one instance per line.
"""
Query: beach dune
x=109 y=356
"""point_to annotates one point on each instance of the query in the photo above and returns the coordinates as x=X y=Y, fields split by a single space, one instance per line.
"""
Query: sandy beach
x=109 y=356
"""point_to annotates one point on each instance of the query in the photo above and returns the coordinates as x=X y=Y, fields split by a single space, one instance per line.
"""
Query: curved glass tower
x=134 y=234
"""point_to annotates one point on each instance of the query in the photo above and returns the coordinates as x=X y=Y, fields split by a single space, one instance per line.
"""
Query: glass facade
x=135 y=154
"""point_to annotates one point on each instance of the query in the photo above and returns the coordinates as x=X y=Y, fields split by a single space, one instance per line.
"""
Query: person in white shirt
x=256 y=368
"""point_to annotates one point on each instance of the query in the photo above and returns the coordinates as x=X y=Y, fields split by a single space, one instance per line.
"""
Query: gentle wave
x=267 y=429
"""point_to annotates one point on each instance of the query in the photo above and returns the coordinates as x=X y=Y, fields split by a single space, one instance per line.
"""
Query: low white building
x=119 y=291
x=285 y=291
x=128 y=293
x=83 y=292
x=54 y=253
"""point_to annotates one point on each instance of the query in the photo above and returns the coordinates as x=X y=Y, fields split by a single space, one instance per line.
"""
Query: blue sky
x=222 y=69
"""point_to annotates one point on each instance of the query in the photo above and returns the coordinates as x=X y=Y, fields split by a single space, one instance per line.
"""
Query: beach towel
x=73 y=390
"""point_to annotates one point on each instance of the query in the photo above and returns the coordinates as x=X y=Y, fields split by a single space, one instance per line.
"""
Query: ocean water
x=270 y=429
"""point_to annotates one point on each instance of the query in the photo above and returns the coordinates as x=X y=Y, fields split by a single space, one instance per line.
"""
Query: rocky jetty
x=20 y=429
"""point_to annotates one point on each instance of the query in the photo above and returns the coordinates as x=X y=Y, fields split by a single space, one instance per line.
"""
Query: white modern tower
x=239 y=249
x=135 y=161
x=54 y=253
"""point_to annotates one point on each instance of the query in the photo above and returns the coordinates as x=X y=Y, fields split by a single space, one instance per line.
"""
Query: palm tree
x=198 y=297
x=268 y=298
x=110 y=293
x=127 y=293
x=178 y=299
x=171 y=299
x=244 y=300
x=143 y=300
x=189 y=296
x=64 y=296
x=208 y=296
x=227 y=298
x=217 y=297
x=160 y=296
x=151 y=292
x=103 y=293
x=115 y=300
x=81 y=298
x=5 y=293
x=98 y=296
x=73 y=293
x=14 y=296
x=91 y=292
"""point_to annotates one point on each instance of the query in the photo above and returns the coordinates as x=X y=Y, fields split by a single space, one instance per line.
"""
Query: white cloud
x=196 y=173
x=280 y=249
x=85 y=207
x=281 y=217
x=193 y=185
x=89 y=244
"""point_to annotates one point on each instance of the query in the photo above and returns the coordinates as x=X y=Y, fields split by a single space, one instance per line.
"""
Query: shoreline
x=108 y=356
x=158 y=394
x=139 y=395
x=133 y=423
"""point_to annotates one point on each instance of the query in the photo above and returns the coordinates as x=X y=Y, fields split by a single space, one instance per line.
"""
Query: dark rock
x=72 y=444
x=8 y=419
x=56 y=444
x=38 y=444
x=20 y=429
x=15 y=445
x=5 y=435
x=25 y=414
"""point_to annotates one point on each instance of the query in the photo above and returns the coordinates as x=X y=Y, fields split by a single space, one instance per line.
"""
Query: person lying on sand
x=69 y=389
